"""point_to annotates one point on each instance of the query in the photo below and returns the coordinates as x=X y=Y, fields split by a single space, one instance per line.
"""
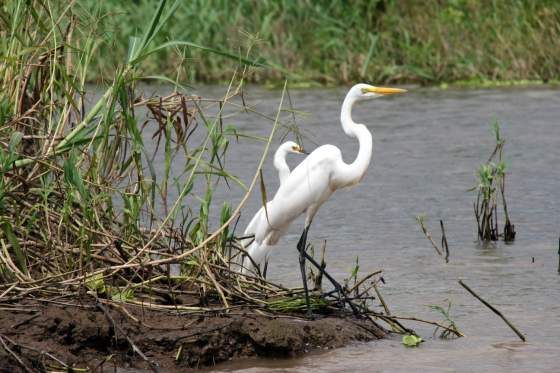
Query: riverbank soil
x=101 y=337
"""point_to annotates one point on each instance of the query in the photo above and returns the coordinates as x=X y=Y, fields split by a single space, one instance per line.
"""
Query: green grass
x=79 y=194
x=332 y=42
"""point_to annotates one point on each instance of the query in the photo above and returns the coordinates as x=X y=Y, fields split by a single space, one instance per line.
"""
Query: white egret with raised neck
x=314 y=180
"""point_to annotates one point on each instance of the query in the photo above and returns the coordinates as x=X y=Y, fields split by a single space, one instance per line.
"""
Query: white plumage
x=313 y=181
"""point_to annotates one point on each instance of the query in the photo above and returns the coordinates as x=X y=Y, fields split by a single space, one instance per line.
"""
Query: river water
x=428 y=145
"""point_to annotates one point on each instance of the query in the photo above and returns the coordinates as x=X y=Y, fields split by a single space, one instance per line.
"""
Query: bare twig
x=15 y=326
x=41 y=352
x=444 y=244
x=14 y=355
x=519 y=334
x=428 y=235
x=153 y=365
x=456 y=332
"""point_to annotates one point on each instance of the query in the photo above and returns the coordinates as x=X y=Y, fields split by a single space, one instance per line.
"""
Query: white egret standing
x=283 y=169
x=313 y=181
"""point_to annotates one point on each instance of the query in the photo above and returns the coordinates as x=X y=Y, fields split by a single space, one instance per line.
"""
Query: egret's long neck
x=281 y=165
x=352 y=173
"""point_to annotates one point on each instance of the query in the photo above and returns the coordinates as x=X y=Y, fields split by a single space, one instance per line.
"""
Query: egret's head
x=365 y=91
x=292 y=147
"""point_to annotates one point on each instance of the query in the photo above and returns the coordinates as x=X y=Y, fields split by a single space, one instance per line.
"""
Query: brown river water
x=428 y=145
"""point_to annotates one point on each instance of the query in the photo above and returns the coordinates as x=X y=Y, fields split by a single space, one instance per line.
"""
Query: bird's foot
x=309 y=315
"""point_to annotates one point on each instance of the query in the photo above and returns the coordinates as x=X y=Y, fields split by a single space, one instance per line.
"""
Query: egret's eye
x=295 y=148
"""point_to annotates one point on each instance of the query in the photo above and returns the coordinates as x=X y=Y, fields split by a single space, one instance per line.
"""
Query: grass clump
x=490 y=190
x=452 y=330
x=79 y=193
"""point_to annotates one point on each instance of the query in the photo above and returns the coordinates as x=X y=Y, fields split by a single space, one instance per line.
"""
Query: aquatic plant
x=490 y=190
x=452 y=329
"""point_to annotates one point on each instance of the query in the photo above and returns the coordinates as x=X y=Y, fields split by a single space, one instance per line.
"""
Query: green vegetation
x=81 y=201
x=452 y=330
x=492 y=185
x=331 y=42
x=83 y=210
x=411 y=340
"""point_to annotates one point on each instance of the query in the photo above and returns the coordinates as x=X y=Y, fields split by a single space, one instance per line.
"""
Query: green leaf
x=259 y=63
x=122 y=296
x=96 y=283
x=20 y=256
x=14 y=141
x=411 y=340
x=133 y=45
x=73 y=177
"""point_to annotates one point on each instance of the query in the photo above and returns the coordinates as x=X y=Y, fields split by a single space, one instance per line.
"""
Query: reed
x=490 y=192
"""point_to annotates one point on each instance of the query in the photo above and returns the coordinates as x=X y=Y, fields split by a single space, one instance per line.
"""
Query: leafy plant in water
x=452 y=330
x=490 y=190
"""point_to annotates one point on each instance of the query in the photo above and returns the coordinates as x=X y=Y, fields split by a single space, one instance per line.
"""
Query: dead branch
x=493 y=309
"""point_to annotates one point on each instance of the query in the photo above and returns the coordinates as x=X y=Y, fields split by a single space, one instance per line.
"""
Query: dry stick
x=521 y=336
x=29 y=319
x=14 y=355
x=385 y=307
x=428 y=235
x=558 y=254
x=364 y=279
x=392 y=317
x=444 y=244
x=16 y=283
x=154 y=366
x=41 y=352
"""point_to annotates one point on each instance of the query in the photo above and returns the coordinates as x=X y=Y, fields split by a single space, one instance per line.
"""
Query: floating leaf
x=411 y=340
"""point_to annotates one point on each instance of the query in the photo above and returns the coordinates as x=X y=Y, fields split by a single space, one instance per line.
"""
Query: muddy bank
x=85 y=336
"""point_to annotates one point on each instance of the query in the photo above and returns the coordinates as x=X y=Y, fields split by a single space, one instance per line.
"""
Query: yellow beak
x=302 y=151
x=385 y=91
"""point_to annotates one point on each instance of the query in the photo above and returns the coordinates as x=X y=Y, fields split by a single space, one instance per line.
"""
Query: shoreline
x=81 y=335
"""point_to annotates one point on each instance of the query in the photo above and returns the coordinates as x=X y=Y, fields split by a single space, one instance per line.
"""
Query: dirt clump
x=45 y=336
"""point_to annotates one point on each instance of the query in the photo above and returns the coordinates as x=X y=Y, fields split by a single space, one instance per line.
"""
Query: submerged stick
x=435 y=323
x=420 y=220
x=558 y=254
x=444 y=244
x=519 y=334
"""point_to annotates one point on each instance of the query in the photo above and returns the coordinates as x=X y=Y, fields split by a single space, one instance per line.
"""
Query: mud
x=84 y=337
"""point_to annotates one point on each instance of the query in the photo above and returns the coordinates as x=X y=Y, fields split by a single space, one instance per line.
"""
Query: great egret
x=283 y=172
x=313 y=181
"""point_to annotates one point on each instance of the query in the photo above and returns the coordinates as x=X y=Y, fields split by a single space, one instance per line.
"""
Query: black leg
x=265 y=268
x=338 y=288
x=301 y=248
